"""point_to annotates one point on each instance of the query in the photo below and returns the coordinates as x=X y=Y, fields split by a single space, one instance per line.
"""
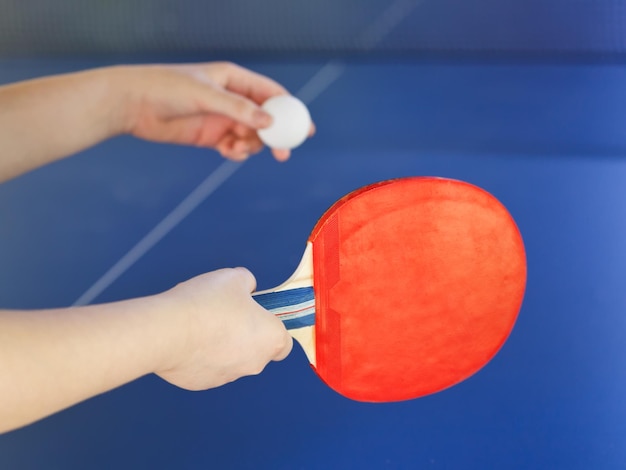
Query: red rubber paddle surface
x=418 y=283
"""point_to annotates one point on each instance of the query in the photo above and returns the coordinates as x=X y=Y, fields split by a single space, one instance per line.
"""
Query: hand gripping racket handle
x=295 y=307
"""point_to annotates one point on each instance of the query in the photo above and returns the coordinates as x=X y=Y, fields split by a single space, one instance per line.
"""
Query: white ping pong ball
x=291 y=122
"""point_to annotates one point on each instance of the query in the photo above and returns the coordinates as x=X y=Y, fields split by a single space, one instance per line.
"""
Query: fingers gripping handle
x=295 y=307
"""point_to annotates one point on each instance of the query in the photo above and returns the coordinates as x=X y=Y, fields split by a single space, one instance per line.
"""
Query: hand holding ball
x=291 y=122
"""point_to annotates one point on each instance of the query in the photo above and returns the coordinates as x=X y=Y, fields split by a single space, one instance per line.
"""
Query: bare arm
x=46 y=119
x=215 y=105
x=201 y=334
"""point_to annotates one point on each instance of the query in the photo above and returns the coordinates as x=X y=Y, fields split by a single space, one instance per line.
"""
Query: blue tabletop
x=549 y=141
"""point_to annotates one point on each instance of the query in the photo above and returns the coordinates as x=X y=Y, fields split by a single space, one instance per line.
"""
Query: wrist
x=169 y=330
x=113 y=82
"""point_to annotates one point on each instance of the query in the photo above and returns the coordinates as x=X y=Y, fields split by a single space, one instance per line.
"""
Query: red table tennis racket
x=406 y=287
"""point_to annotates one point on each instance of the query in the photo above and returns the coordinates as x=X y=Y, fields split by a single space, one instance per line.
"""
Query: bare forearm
x=205 y=332
x=47 y=119
x=50 y=360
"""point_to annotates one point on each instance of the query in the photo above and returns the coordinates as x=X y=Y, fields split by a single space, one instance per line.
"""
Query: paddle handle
x=294 y=303
x=295 y=307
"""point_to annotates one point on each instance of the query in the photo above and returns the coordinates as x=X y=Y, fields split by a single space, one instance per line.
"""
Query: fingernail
x=261 y=118
x=282 y=155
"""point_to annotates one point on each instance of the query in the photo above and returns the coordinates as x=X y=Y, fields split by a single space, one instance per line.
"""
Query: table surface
x=547 y=140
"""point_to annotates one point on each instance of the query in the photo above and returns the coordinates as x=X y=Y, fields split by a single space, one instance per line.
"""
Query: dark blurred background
x=476 y=28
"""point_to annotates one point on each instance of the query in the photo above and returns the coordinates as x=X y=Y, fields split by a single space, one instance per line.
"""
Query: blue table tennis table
x=548 y=140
